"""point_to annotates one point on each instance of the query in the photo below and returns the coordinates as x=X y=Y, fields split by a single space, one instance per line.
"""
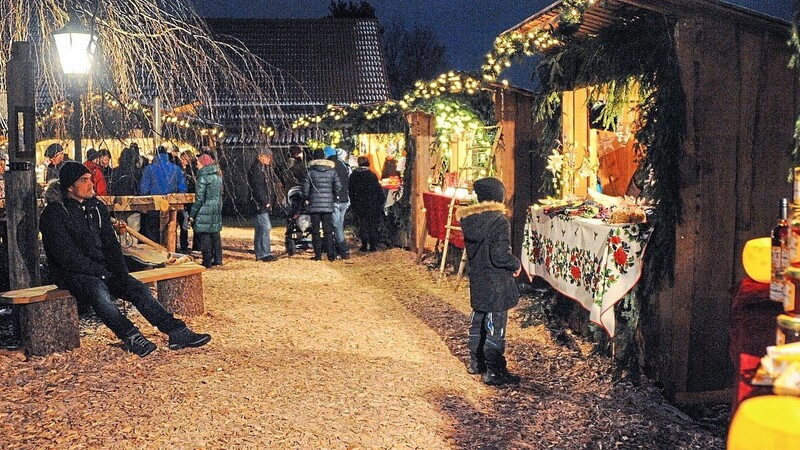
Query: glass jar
x=788 y=329
x=791 y=304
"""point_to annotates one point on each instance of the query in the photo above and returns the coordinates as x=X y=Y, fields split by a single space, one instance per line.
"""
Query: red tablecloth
x=436 y=207
x=752 y=330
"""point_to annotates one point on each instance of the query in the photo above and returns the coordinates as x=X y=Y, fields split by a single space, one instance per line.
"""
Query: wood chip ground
x=357 y=354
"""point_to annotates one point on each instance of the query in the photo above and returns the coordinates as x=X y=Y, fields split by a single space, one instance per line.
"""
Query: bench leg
x=182 y=296
x=48 y=327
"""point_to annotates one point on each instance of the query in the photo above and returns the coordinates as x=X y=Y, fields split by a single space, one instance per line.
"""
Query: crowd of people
x=329 y=188
x=170 y=171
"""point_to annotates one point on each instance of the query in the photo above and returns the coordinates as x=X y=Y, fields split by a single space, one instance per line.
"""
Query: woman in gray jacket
x=321 y=188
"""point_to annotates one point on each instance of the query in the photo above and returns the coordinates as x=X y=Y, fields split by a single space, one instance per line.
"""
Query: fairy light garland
x=510 y=45
x=450 y=83
x=62 y=109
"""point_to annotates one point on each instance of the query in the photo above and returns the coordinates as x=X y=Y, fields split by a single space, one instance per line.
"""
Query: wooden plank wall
x=734 y=173
x=422 y=133
x=515 y=163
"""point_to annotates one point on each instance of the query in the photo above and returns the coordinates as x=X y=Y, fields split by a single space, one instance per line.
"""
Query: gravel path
x=364 y=353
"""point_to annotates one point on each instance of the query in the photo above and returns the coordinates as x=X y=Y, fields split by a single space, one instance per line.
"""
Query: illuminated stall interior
x=386 y=153
x=599 y=152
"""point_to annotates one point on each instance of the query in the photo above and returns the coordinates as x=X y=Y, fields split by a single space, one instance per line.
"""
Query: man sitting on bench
x=85 y=258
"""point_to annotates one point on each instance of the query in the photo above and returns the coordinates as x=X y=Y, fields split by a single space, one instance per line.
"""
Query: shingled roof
x=323 y=61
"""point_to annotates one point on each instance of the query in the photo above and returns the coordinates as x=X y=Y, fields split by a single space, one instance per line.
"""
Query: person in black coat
x=367 y=200
x=320 y=189
x=125 y=181
x=296 y=167
x=262 y=191
x=85 y=258
x=493 y=290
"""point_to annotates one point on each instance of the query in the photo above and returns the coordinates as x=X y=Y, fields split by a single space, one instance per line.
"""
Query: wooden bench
x=47 y=317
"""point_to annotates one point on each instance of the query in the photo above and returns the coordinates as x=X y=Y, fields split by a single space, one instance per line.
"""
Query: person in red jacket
x=96 y=169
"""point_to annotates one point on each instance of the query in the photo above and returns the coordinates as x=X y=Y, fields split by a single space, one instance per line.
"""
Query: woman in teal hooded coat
x=206 y=214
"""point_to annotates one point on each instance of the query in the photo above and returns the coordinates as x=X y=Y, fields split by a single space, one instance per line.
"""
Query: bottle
x=778 y=285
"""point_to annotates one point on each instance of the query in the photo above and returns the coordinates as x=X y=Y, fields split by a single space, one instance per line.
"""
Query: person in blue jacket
x=160 y=177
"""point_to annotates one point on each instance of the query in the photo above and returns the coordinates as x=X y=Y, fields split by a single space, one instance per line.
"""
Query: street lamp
x=76 y=46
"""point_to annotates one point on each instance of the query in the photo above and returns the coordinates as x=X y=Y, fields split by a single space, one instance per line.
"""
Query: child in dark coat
x=493 y=291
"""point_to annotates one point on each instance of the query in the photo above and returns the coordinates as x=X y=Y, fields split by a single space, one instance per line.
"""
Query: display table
x=752 y=330
x=168 y=205
x=436 y=209
x=589 y=261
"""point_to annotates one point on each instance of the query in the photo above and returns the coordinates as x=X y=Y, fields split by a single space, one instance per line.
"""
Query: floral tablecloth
x=592 y=262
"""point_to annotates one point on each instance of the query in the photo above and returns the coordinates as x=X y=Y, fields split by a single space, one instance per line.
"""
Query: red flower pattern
x=620 y=256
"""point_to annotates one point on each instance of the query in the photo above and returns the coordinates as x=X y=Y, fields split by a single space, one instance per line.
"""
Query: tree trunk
x=48 y=327
x=183 y=295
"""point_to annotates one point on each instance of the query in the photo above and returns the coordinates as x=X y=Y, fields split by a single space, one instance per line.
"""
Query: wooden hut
x=741 y=100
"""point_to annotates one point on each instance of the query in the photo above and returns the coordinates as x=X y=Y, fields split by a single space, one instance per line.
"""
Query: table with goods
x=589 y=250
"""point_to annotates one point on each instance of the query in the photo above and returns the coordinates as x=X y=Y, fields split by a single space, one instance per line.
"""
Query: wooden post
x=183 y=295
x=171 y=231
x=422 y=131
x=48 y=326
x=23 y=238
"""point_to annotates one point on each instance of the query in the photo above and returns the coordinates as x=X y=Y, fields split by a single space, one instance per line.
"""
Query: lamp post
x=76 y=46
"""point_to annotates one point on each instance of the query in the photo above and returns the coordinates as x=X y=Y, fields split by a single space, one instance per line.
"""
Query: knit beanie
x=490 y=189
x=92 y=154
x=69 y=174
x=319 y=154
x=330 y=151
x=205 y=160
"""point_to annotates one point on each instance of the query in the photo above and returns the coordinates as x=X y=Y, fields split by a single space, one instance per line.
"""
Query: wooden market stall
x=741 y=100
x=514 y=161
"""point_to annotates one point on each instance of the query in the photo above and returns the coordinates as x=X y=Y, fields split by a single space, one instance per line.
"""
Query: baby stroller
x=298 y=223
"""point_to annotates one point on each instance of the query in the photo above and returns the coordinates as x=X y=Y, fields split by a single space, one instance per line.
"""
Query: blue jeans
x=339 y=209
x=100 y=295
x=261 y=237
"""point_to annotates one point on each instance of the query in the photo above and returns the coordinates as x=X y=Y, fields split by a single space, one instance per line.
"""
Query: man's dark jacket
x=126 y=176
x=487 y=237
x=262 y=186
x=321 y=187
x=366 y=194
x=78 y=238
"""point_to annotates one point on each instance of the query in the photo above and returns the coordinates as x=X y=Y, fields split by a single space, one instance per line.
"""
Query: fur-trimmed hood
x=480 y=221
x=52 y=193
x=465 y=211
x=322 y=163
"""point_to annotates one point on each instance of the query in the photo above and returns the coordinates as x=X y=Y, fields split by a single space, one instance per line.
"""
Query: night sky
x=466 y=27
